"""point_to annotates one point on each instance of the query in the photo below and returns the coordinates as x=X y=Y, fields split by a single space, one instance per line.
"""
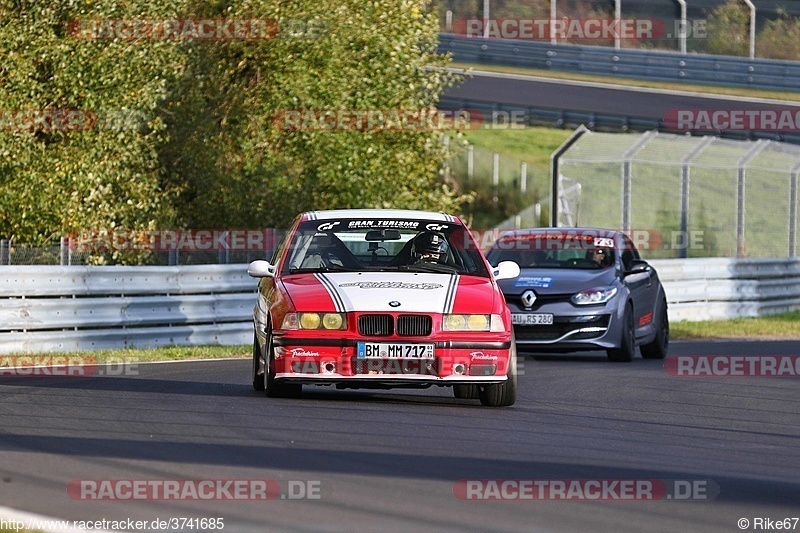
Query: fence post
x=555 y=172
x=626 y=177
x=752 y=28
x=446 y=141
x=470 y=162
x=495 y=176
x=485 y=19
x=523 y=177
x=3 y=251
x=740 y=193
x=682 y=30
x=793 y=210
x=683 y=253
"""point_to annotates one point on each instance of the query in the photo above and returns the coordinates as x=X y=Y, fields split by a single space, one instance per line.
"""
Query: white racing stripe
x=372 y=291
x=338 y=303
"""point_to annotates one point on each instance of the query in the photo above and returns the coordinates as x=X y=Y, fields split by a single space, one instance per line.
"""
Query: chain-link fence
x=506 y=189
x=687 y=196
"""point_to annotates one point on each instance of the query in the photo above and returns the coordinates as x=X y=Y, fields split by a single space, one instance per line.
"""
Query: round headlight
x=309 y=321
x=332 y=321
x=478 y=322
x=454 y=322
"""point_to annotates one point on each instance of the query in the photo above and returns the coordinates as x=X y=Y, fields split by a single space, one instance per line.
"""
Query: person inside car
x=429 y=247
x=601 y=257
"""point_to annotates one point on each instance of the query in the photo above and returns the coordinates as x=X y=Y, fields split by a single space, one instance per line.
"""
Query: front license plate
x=531 y=319
x=391 y=350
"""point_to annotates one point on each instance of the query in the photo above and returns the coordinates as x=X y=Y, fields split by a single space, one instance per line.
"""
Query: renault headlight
x=597 y=295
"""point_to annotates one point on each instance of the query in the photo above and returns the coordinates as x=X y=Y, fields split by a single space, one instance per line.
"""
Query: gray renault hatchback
x=582 y=289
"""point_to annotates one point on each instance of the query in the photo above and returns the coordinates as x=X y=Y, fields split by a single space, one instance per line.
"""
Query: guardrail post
x=740 y=194
x=523 y=177
x=685 y=185
x=626 y=178
x=555 y=157
x=793 y=210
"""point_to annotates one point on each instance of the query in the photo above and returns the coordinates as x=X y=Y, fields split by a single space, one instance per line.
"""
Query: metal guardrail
x=719 y=288
x=46 y=309
x=565 y=118
x=643 y=64
x=76 y=308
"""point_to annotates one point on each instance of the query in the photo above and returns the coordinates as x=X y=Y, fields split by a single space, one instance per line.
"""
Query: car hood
x=556 y=280
x=390 y=292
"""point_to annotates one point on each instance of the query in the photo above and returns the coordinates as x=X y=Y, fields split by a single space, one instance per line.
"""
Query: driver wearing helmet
x=429 y=247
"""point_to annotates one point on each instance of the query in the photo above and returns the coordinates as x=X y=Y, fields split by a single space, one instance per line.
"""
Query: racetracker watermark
x=174 y=29
x=564 y=239
x=543 y=29
x=777 y=119
x=586 y=489
x=70 y=120
x=369 y=120
x=63 y=366
x=194 y=489
x=733 y=366
x=191 y=29
x=190 y=240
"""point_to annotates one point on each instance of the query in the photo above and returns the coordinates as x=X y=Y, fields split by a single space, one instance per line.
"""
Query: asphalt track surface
x=389 y=460
x=529 y=91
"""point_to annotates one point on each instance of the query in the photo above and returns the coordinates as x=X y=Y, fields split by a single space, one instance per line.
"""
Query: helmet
x=429 y=247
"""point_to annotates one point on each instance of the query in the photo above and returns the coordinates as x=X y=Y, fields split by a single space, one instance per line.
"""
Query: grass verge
x=789 y=96
x=165 y=353
x=784 y=326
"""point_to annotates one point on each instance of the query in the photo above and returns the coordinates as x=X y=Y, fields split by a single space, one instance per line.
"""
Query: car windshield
x=383 y=245
x=554 y=250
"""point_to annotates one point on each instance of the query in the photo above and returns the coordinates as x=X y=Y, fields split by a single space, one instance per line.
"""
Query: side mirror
x=506 y=270
x=261 y=269
x=638 y=266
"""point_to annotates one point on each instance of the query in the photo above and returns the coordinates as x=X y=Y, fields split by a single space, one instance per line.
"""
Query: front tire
x=272 y=387
x=465 y=392
x=624 y=354
x=502 y=394
x=658 y=348
x=258 y=378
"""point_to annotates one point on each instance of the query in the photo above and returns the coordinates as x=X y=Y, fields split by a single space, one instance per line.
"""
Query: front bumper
x=334 y=361
x=574 y=328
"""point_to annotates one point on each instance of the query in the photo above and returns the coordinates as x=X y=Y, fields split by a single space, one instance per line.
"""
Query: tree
x=80 y=135
x=728 y=29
